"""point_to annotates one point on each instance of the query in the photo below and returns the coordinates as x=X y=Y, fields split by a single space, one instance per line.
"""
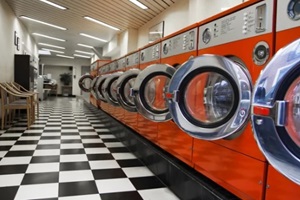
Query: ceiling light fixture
x=51 y=50
x=54 y=4
x=84 y=52
x=93 y=37
x=49 y=37
x=101 y=23
x=50 y=45
x=64 y=56
x=139 y=4
x=41 y=22
x=82 y=56
x=84 y=45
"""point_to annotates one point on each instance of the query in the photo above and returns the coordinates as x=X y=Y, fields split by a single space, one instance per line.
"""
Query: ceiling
x=121 y=14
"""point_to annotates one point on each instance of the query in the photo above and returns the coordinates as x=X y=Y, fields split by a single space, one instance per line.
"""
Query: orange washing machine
x=146 y=92
x=103 y=74
x=210 y=96
x=177 y=48
x=110 y=89
x=124 y=85
x=276 y=106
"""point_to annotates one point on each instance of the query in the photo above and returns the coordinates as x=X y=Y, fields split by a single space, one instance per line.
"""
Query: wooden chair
x=19 y=88
x=9 y=103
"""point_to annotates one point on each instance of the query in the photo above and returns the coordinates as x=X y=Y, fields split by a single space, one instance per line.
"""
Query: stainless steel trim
x=106 y=88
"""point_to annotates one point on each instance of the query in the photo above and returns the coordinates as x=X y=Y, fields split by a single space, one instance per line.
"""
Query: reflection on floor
x=69 y=154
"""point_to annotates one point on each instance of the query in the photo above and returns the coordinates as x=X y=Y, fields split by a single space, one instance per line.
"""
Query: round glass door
x=124 y=87
x=99 y=87
x=149 y=91
x=276 y=111
x=93 y=87
x=110 y=88
x=209 y=97
x=85 y=83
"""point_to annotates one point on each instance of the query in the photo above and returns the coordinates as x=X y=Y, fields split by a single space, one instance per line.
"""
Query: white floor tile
x=82 y=197
x=75 y=176
x=43 y=167
x=53 y=128
x=108 y=136
x=11 y=135
x=91 y=141
x=87 y=133
x=114 y=185
x=123 y=156
x=160 y=193
x=104 y=164
x=37 y=126
x=85 y=127
x=70 y=137
x=96 y=150
x=114 y=144
x=11 y=180
x=13 y=161
x=46 y=152
x=73 y=158
x=137 y=172
x=102 y=130
x=69 y=130
x=49 y=142
x=71 y=146
x=33 y=131
x=68 y=125
x=54 y=123
x=2 y=153
x=7 y=142
x=52 y=134
x=23 y=138
x=18 y=128
x=23 y=147
x=37 y=191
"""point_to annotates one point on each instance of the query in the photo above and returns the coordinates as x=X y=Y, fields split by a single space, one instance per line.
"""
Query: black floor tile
x=130 y=163
x=134 y=195
x=70 y=141
x=48 y=146
x=8 y=193
x=67 y=127
x=74 y=166
x=27 y=142
x=19 y=153
x=9 y=138
x=51 y=131
x=77 y=188
x=100 y=157
x=50 y=138
x=38 y=178
x=13 y=169
x=91 y=145
x=108 y=173
x=31 y=134
x=71 y=151
x=69 y=133
x=89 y=137
x=118 y=150
x=44 y=159
x=142 y=183
x=110 y=140
x=5 y=148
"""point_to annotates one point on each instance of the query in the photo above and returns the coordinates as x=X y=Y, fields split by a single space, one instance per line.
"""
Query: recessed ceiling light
x=53 y=4
x=84 y=45
x=41 y=22
x=50 y=45
x=64 y=56
x=139 y=4
x=55 y=51
x=101 y=23
x=93 y=37
x=49 y=37
x=84 y=52
x=82 y=56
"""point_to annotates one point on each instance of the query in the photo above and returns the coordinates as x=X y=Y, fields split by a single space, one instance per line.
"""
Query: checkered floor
x=69 y=154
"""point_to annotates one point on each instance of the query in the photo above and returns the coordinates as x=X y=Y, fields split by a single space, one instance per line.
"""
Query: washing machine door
x=149 y=92
x=100 y=88
x=110 y=88
x=93 y=87
x=124 y=87
x=276 y=111
x=209 y=97
x=85 y=82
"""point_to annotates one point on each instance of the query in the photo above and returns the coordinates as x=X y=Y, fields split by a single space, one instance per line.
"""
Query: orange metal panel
x=279 y=187
x=238 y=173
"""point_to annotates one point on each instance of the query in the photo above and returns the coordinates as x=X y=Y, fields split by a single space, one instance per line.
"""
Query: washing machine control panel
x=182 y=43
x=246 y=23
x=132 y=59
x=121 y=63
x=150 y=53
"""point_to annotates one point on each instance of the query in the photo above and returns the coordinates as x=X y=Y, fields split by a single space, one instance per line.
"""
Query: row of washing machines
x=222 y=95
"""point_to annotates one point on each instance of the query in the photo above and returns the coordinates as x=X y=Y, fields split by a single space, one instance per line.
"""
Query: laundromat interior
x=144 y=100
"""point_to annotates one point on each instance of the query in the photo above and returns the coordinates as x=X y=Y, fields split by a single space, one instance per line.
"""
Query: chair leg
x=28 y=118
x=2 y=119
x=38 y=109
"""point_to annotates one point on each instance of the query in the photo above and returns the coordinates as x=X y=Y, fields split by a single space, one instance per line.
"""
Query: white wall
x=9 y=23
x=63 y=62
